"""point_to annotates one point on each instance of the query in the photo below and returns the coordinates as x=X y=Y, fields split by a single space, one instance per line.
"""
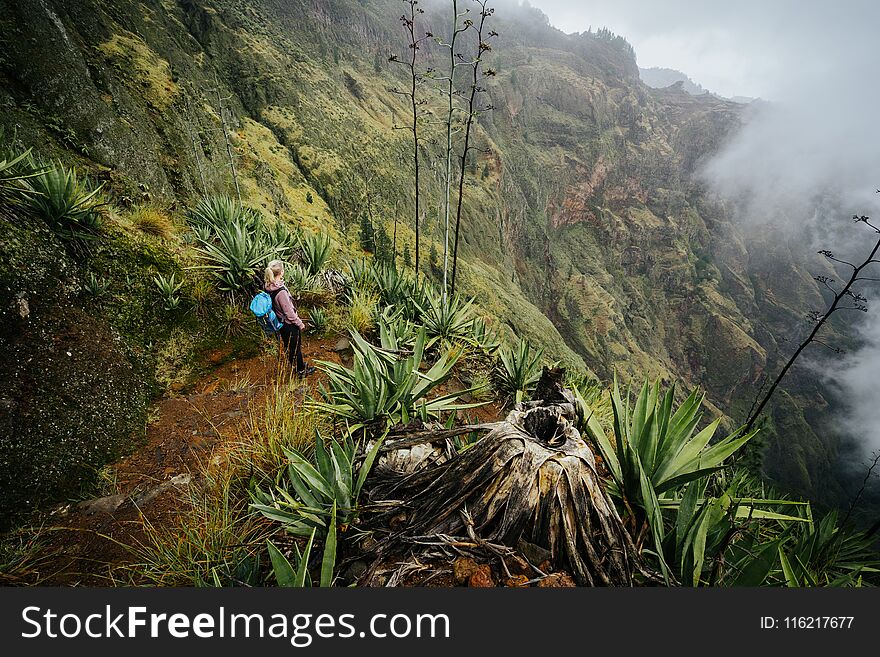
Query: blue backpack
x=261 y=307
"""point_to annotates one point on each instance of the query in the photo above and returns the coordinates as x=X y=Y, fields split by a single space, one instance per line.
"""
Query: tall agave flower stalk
x=416 y=79
x=478 y=72
x=449 y=93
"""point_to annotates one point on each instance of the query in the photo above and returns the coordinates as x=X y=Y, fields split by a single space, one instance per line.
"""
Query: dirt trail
x=89 y=540
x=86 y=539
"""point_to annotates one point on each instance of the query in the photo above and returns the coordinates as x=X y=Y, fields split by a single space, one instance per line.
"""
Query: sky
x=734 y=48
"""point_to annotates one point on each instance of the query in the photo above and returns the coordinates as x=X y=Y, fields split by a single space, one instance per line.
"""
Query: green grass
x=217 y=540
x=23 y=556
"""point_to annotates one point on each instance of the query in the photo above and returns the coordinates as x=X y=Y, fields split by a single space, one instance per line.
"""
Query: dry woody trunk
x=530 y=482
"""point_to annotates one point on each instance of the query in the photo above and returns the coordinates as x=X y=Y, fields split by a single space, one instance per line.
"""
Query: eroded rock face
x=101 y=115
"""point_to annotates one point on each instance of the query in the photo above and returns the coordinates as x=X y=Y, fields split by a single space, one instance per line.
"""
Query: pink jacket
x=283 y=305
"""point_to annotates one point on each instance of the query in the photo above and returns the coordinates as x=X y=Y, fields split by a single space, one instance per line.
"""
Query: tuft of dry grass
x=282 y=424
x=337 y=318
x=152 y=221
x=201 y=292
x=362 y=312
x=238 y=384
x=215 y=541
x=235 y=320
x=23 y=554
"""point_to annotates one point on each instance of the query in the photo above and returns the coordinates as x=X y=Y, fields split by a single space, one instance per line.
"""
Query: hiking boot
x=305 y=372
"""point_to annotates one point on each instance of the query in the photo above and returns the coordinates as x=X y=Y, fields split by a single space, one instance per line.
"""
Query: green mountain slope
x=584 y=228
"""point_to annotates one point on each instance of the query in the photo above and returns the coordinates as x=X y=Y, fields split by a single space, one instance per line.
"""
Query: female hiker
x=282 y=304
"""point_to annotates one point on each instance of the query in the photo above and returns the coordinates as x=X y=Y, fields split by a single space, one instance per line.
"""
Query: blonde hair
x=273 y=271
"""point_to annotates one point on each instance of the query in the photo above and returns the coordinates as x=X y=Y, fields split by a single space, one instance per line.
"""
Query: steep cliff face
x=585 y=229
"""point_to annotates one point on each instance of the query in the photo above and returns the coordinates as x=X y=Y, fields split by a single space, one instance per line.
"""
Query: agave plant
x=299 y=281
x=386 y=388
x=360 y=275
x=653 y=444
x=417 y=294
x=318 y=320
x=314 y=494
x=655 y=451
x=825 y=554
x=450 y=321
x=297 y=575
x=518 y=370
x=484 y=338
x=169 y=288
x=315 y=251
x=219 y=212
x=392 y=285
x=739 y=535
x=396 y=331
x=722 y=538
x=96 y=286
x=234 y=255
x=277 y=237
x=15 y=171
x=65 y=201
x=203 y=233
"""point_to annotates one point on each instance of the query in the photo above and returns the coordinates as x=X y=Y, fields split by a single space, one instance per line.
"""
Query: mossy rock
x=74 y=394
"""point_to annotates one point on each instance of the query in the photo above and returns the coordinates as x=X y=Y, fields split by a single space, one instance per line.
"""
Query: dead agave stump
x=530 y=478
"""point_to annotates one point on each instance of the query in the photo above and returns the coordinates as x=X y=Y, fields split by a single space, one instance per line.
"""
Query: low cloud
x=805 y=163
x=808 y=155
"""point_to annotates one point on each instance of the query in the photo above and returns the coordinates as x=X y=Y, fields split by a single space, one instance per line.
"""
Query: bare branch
x=859 y=304
x=836 y=350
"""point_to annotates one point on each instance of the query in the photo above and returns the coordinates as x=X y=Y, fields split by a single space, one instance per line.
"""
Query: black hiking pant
x=291 y=340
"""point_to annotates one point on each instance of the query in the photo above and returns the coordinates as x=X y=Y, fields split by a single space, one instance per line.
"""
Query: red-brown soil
x=88 y=541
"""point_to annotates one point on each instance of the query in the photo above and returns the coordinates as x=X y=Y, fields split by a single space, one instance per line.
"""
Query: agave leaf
x=302 y=572
x=744 y=511
x=711 y=514
x=682 y=479
x=285 y=575
x=329 y=560
x=791 y=579
x=300 y=486
x=367 y=465
x=641 y=415
x=655 y=517
x=664 y=415
x=340 y=483
x=322 y=460
x=681 y=451
x=687 y=515
x=276 y=514
x=718 y=452
x=595 y=430
x=811 y=579
x=756 y=569
x=308 y=473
